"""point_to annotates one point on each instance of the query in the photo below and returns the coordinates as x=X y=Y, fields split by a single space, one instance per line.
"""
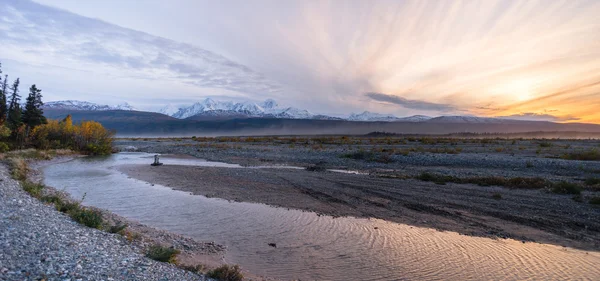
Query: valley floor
x=388 y=188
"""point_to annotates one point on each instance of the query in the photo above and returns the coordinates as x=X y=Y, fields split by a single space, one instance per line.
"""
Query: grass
x=522 y=183
x=88 y=217
x=369 y=156
x=592 y=181
x=564 y=187
x=37 y=154
x=198 y=269
x=162 y=254
x=18 y=168
x=34 y=189
x=587 y=155
x=226 y=273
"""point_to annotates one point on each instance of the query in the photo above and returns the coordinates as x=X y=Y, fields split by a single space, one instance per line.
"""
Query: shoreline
x=42 y=243
x=140 y=236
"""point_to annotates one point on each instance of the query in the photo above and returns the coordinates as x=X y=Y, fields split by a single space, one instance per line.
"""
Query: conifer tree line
x=20 y=121
x=26 y=126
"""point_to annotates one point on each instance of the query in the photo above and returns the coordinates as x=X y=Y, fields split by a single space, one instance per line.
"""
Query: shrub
x=526 y=183
x=497 y=196
x=162 y=254
x=226 y=273
x=564 y=187
x=18 y=168
x=359 y=155
x=595 y=200
x=545 y=144
x=67 y=206
x=89 y=137
x=198 y=269
x=117 y=228
x=438 y=179
x=88 y=217
x=592 y=181
x=588 y=155
x=529 y=164
x=3 y=147
x=34 y=189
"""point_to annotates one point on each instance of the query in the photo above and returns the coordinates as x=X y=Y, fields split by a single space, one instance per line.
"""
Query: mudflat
x=393 y=188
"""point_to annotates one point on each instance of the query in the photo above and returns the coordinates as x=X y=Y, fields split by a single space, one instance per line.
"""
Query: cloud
x=32 y=33
x=411 y=104
x=531 y=116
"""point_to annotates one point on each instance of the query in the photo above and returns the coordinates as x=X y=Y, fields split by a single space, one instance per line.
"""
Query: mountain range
x=84 y=105
x=213 y=118
x=210 y=109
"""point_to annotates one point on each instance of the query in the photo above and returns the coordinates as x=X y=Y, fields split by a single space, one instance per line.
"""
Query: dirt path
x=528 y=215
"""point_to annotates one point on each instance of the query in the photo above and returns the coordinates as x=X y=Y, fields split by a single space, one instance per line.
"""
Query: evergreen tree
x=3 y=106
x=33 y=115
x=14 y=110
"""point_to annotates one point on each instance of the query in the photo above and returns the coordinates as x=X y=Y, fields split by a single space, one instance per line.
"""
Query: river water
x=312 y=247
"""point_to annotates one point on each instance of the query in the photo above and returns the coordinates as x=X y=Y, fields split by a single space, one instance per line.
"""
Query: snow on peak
x=84 y=105
x=269 y=104
x=124 y=106
x=268 y=108
x=415 y=118
x=370 y=116
x=169 y=109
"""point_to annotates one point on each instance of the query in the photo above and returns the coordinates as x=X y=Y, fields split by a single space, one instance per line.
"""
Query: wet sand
x=527 y=215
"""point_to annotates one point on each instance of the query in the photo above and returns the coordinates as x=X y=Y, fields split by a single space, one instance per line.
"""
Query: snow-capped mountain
x=268 y=108
x=169 y=109
x=210 y=109
x=84 y=105
x=370 y=116
x=415 y=118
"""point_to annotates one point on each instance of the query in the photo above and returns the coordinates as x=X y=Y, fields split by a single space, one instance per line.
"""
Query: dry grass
x=18 y=168
x=587 y=155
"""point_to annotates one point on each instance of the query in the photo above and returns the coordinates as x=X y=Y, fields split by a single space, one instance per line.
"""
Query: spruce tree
x=33 y=115
x=3 y=106
x=14 y=110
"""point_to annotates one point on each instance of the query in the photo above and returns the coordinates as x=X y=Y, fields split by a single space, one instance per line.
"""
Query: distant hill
x=139 y=123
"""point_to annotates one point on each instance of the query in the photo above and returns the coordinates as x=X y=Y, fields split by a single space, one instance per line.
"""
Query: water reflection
x=310 y=246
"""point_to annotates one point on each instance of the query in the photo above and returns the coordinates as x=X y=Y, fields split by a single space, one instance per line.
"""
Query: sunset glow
x=486 y=58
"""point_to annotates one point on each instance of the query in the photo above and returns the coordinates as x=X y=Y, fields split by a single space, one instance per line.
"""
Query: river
x=309 y=246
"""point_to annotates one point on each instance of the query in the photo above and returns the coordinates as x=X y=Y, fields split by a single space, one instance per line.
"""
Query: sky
x=533 y=60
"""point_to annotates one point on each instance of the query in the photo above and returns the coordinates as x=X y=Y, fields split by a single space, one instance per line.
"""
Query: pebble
x=44 y=244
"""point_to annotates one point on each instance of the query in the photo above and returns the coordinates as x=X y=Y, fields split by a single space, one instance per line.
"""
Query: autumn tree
x=33 y=115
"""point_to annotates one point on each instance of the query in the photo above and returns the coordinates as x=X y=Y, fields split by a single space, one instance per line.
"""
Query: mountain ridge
x=210 y=109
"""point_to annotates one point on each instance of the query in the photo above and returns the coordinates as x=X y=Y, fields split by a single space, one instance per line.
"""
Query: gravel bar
x=39 y=243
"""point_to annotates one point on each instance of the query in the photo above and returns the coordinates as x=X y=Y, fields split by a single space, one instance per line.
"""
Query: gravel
x=39 y=243
x=474 y=160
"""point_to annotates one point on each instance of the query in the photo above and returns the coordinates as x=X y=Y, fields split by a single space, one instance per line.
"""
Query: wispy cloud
x=29 y=31
x=411 y=104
